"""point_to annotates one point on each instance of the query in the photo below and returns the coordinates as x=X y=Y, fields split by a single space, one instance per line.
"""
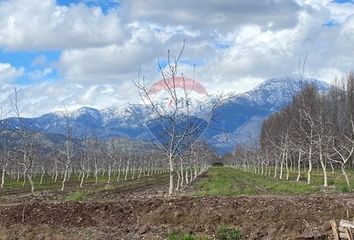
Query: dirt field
x=139 y=210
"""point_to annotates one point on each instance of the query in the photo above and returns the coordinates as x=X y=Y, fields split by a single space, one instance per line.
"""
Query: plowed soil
x=141 y=211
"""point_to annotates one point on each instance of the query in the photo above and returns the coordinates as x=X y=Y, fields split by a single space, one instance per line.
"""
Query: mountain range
x=240 y=116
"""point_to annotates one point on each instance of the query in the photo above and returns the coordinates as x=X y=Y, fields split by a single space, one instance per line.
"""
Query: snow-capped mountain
x=244 y=113
x=114 y=121
x=240 y=116
x=276 y=92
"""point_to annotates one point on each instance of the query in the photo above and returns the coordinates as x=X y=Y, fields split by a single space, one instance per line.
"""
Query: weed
x=344 y=188
x=75 y=196
x=225 y=233
x=331 y=182
x=177 y=235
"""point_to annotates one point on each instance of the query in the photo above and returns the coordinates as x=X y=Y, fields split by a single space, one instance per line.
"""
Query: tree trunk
x=133 y=172
x=299 y=166
x=24 y=177
x=42 y=175
x=186 y=176
x=287 y=165
x=64 y=179
x=190 y=174
x=345 y=175
x=96 y=173
x=170 y=190
x=178 y=180
x=324 y=169
x=276 y=169
x=56 y=172
x=31 y=182
x=332 y=167
x=82 y=178
x=140 y=171
x=109 y=173
x=281 y=166
x=3 y=172
x=195 y=172
x=182 y=175
x=126 y=172
x=119 y=172
x=310 y=166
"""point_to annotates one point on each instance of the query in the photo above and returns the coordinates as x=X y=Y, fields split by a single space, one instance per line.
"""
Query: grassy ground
x=232 y=182
x=335 y=178
x=219 y=181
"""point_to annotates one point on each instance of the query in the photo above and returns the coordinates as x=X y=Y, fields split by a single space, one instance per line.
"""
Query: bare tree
x=68 y=153
x=4 y=149
x=27 y=139
x=343 y=122
x=175 y=124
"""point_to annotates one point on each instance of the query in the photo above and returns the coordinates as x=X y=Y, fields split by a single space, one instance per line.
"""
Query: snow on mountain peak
x=241 y=114
x=274 y=93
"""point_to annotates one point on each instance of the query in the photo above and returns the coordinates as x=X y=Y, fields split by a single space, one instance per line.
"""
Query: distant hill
x=241 y=115
x=244 y=113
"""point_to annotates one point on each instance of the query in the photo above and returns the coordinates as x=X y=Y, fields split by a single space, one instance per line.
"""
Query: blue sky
x=32 y=61
x=88 y=52
x=344 y=1
x=105 y=5
x=26 y=59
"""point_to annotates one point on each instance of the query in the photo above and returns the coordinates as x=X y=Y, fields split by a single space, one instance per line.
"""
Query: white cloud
x=8 y=72
x=214 y=15
x=32 y=24
x=49 y=97
x=256 y=52
x=40 y=74
x=234 y=44
x=121 y=62
x=340 y=12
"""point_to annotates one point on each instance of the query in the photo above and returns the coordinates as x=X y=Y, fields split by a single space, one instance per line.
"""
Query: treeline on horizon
x=315 y=130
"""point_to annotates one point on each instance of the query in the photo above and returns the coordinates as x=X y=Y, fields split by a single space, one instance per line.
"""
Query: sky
x=73 y=53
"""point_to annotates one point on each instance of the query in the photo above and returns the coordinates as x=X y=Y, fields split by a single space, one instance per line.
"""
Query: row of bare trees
x=315 y=130
x=115 y=159
x=93 y=160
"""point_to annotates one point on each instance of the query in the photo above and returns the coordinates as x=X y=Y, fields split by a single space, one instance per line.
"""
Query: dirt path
x=139 y=209
x=261 y=217
x=153 y=186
